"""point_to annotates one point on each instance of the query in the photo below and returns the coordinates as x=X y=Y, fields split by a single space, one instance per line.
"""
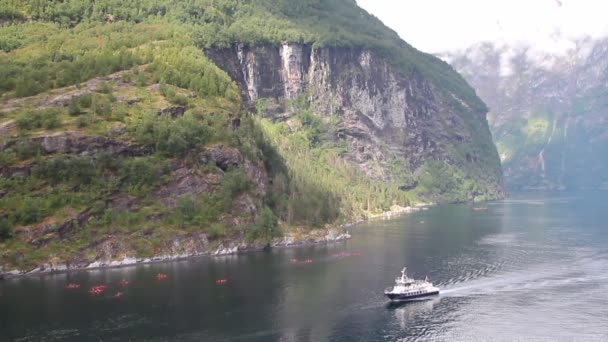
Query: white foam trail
x=528 y=281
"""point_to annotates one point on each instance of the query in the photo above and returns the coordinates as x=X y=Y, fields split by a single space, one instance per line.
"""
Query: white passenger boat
x=407 y=288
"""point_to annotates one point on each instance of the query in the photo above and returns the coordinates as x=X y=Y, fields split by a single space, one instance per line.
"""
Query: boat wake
x=588 y=271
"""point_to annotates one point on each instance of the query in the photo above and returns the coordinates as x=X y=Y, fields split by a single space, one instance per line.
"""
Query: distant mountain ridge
x=548 y=112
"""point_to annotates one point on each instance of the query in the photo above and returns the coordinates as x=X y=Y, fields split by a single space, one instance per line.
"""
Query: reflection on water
x=406 y=312
x=525 y=269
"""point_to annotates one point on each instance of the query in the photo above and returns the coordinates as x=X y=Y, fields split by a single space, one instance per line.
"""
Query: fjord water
x=534 y=267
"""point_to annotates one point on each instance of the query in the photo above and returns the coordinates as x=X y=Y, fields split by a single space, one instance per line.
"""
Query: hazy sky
x=440 y=25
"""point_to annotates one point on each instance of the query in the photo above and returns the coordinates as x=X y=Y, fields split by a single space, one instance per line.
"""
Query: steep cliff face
x=548 y=112
x=135 y=146
x=397 y=124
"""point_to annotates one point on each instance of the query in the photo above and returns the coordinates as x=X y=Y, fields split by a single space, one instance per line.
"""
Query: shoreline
x=289 y=241
x=398 y=211
x=331 y=235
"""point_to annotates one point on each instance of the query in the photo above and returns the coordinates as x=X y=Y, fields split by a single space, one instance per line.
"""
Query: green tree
x=26 y=86
x=6 y=229
x=266 y=227
x=141 y=80
x=30 y=211
x=102 y=106
x=74 y=107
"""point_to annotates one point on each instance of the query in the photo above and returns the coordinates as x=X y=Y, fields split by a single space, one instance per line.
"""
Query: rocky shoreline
x=292 y=239
x=397 y=211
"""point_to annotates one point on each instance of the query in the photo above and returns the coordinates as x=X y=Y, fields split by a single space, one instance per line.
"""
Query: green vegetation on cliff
x=66 y=187
x=318 y=184
x=326 y=23
x=119 y=137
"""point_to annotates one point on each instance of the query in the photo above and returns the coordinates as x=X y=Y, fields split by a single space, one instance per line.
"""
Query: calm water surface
x=529 y=268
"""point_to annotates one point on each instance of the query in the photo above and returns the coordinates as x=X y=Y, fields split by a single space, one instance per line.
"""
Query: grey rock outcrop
x=387 y=116
x=224 y=157
x=74 y=142
x=6 y=128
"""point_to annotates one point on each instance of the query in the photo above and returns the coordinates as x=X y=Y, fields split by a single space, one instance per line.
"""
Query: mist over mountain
x=548 y=109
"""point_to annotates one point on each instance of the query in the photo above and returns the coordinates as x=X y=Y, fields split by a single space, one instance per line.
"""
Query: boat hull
x=399 y=297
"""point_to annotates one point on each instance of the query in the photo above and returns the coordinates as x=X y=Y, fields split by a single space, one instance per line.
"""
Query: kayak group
x=100 y=289
x=348 y=254
x=295 y=261
x=97 y=290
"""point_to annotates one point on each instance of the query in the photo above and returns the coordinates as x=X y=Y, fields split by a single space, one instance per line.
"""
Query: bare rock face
x=224 y=157
x=117 y=129
x=244 y=204
x=72 y=142
x=58 y=142
x=386 y=114
x=293 y=69
x=186 y=182
x=191 y=244
x=14 y=171
x=244 y=211
x=258 y=174
x=175 y=111
x=189 y=181
x=112 y=248
x=7 y=127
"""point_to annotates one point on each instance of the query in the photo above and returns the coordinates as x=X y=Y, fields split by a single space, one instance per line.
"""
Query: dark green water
x=530 y=268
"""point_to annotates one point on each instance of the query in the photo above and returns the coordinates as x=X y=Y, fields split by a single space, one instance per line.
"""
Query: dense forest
x=127 y=83
x=205 y=22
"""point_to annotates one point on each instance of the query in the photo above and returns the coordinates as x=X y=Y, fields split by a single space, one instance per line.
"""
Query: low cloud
x=549 y=26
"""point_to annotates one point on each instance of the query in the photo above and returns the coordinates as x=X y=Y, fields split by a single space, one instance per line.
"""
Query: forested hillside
x=121 y=138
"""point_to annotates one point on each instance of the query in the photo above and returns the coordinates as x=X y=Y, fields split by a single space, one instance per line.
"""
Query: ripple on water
x=512 y=273
x=498 y=239
x=592 y=269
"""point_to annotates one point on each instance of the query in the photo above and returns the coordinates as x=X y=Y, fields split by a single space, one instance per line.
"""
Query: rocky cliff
x=548 y=111
x=136 y=145
x=396 y=123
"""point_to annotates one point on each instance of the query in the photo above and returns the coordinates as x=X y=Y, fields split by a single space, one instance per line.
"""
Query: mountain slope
x=548 y=112
x=139 y=112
